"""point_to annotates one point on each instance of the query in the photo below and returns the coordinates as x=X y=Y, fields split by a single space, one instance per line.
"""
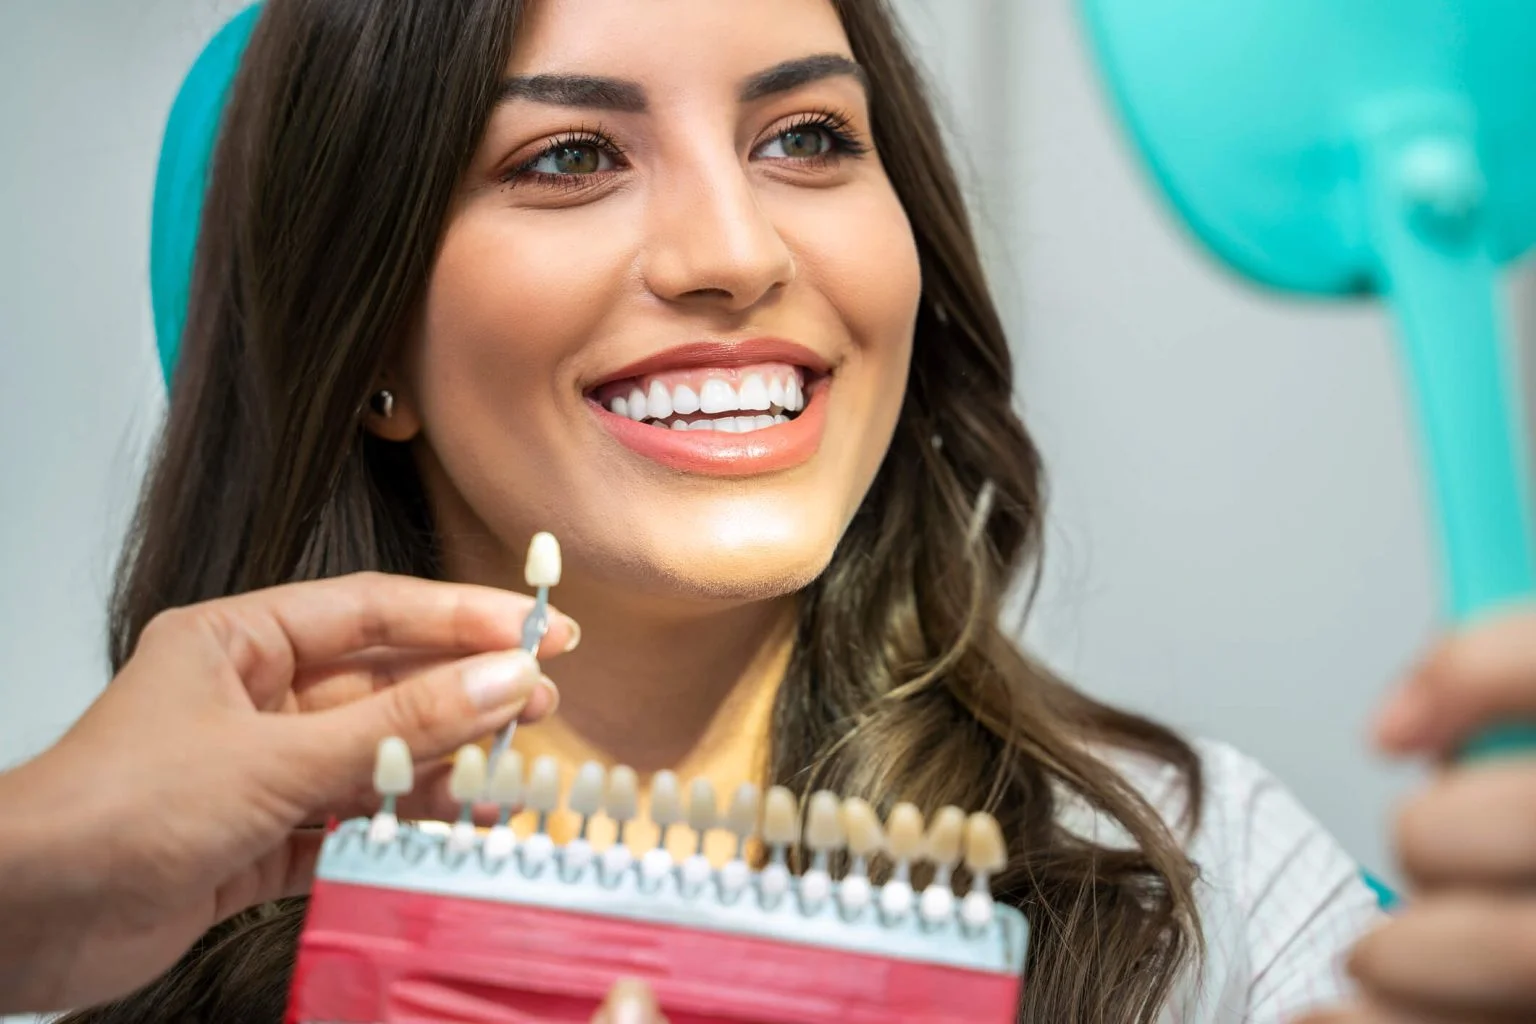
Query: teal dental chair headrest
x=182 y=179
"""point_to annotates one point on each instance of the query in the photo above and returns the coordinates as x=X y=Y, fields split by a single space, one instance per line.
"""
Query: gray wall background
x=1237 y=543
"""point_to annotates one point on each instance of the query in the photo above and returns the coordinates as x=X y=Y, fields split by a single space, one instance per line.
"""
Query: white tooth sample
x=727 y=425
x=543 y=795
x=794 y=396
x=679 y=425
x=865 y=839
x=666 y=799
x=703 y=815
x=740 y=821
x=781 y=418
x=542 y=568
x=985 y=855
x=585 y=799
x=904 y=843
x=505 y=789
x=754 y=394
x=621 y=797
x=942 y=848
x=703 y=809
x=741 y=816
x=703 y=425
x=781 y=829
x=394 y=773
x=716 y=396
x=746 y=424
x=619 y=406
x=621 y=801
x=764 y=421
x=506 y=784
x=544 y=786
x=466 y=784
x=666 y=811
x=637 y=405
x=823 y=837
x=685 y=401
x=658 y=403
x=776 y=393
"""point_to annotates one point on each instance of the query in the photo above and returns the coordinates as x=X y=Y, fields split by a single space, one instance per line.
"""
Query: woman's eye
x=805 y=143
x=574 y=158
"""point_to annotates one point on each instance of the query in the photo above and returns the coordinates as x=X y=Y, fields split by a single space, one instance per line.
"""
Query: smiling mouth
x=736 y=400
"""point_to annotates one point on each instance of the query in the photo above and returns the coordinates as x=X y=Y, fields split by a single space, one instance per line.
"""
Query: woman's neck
x=657 y=684
x=662 y=688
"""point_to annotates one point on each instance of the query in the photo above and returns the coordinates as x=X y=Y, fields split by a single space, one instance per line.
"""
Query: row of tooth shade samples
x=830 y=830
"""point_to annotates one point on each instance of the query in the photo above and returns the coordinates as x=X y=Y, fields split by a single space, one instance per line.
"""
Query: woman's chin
x=715 y=565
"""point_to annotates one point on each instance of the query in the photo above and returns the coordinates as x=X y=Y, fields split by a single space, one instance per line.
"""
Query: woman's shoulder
x=1281 y=900
x=1230 y=785
x=1250 y=826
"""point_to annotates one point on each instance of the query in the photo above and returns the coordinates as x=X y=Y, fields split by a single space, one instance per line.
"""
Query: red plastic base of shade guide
x=381 y=956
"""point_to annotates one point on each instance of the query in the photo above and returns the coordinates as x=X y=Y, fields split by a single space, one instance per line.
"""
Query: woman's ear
x=391 y=415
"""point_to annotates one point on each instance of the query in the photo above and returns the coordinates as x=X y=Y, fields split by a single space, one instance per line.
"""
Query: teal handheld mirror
x=1366 y=147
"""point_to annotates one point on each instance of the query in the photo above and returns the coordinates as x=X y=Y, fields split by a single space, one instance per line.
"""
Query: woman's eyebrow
x=802 y=71
x=596 y=92
x=592 y=92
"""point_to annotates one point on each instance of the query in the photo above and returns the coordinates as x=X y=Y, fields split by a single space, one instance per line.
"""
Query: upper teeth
x=714 y=396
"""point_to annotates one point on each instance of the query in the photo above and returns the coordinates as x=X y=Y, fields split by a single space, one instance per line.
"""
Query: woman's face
x=672 y=313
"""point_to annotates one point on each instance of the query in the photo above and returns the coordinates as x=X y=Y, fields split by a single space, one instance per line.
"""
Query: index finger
x=1475 y=679
x=268 y=634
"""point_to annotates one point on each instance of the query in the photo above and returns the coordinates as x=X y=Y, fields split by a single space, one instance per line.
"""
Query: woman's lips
x=717 y=453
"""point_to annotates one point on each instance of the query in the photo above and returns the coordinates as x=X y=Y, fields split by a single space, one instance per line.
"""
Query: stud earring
x=383 y=403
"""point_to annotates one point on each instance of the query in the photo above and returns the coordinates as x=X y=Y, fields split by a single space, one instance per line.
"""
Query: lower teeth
x=726 y=424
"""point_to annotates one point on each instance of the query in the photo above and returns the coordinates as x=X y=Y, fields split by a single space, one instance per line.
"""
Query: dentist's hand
x=177 y=799
x=630 y=1002
x=1463 y=950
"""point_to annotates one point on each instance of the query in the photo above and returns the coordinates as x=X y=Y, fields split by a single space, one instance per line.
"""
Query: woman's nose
x=711 y=241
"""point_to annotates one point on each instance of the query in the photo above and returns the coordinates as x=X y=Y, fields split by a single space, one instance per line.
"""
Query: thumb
x=435 y=713
x=630 y=1002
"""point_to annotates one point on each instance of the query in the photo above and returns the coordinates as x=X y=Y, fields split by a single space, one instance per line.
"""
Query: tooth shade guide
x=696 y=974
x=502 y=922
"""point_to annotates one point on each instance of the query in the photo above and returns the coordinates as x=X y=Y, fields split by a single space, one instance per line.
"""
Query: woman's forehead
x=672 y=40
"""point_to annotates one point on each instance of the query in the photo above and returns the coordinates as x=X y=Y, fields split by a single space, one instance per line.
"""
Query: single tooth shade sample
x=741 y=817
x=862 y=825
x=586 y=797
x=703 y=809
x=904 y=832
x=946 y=837
x=985 y=851
x=506 y=785
x=394 y=773
x=621 y=800
x=666 y=799
x=544 y=785
x=543 y=566
x=781 y=817
x=823 y=822
x=466 y=783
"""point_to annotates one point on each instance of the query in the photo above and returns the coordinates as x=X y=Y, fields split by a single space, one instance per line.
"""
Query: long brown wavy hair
x=350 y=126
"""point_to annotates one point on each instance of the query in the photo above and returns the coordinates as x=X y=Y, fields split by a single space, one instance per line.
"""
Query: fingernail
x=575 y=640
x=495 y=682
x=542 y=702
x=630 y=1002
